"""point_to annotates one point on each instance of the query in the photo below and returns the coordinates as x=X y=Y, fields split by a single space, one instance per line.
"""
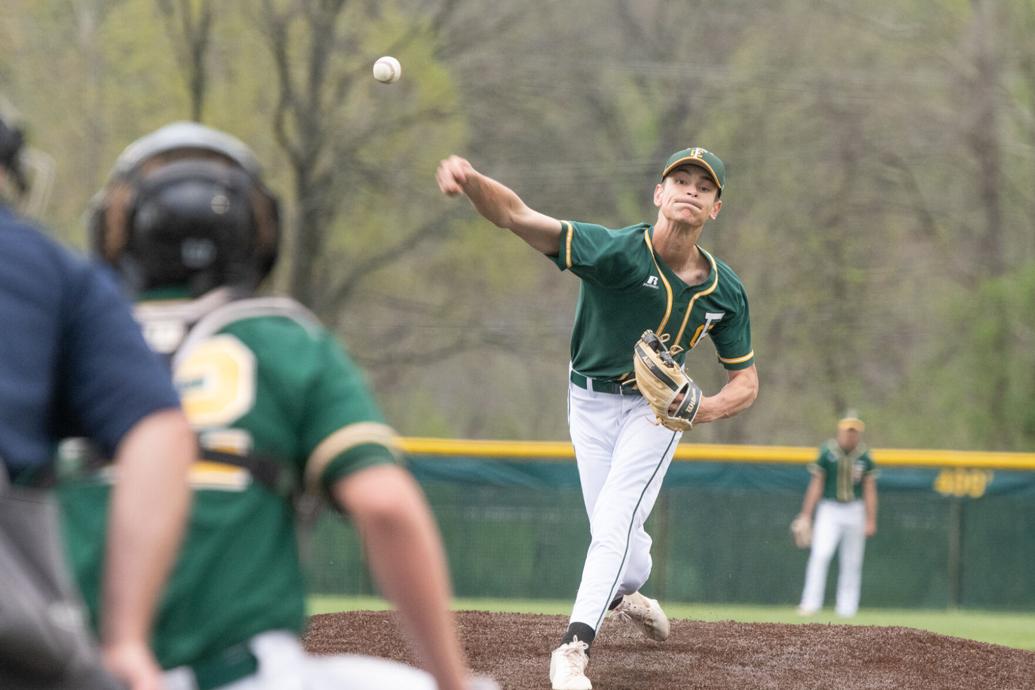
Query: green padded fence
x=952 y=536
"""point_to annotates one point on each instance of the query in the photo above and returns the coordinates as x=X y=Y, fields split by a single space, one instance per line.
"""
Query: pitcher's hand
x=452 y=174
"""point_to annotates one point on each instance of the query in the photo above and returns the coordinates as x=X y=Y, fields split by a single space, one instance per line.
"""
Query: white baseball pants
x=622 y=455
x=844 y=524
x=284 y=665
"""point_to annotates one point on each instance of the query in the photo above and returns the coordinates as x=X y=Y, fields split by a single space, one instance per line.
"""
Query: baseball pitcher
x=649 y=295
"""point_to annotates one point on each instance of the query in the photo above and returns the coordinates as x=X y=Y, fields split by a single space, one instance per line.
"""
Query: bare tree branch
x=433 y=229
x=276 y=28
x=190 y=36
x=928 y=225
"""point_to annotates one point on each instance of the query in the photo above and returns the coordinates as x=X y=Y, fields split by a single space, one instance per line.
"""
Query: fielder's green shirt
x=263 y=377
x=627 y=288
x=843 y=472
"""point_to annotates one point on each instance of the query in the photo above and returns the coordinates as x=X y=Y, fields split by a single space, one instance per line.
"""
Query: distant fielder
x=645 y=288
x=844 y=484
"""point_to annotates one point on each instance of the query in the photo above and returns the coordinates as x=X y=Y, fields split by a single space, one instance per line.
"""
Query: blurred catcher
x=281 y=414
x=843 y=493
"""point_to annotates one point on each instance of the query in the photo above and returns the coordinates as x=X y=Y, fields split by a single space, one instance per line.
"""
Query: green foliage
x=141 y=89
x=855 y=137
x=994 y=371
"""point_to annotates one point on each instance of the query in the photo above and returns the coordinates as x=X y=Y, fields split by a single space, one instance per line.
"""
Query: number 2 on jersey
x=217 y=382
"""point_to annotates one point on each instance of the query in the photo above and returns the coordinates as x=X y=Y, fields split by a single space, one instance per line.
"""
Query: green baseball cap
x=700 y=157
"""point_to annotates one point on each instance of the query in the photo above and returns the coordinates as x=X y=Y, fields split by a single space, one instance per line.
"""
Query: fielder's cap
x=851 y=421
x=700 y=157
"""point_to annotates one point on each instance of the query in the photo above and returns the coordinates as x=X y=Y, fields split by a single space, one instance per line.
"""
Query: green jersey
x=259 y=377
x=627 y=288
x=842 y=471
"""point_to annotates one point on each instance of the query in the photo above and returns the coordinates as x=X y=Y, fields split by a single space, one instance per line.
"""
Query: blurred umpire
x=283 y=417
x=72 y=362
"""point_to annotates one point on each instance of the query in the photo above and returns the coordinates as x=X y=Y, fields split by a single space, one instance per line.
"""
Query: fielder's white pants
x=622 y=455
x=844 y=524
x=284 y=665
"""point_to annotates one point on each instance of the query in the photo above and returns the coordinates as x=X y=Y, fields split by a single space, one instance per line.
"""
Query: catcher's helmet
x=186 y=205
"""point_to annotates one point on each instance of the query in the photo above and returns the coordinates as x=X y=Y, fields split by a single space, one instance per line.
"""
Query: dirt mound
x=515 y=650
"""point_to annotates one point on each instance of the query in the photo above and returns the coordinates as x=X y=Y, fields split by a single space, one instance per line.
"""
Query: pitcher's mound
x=515 y=650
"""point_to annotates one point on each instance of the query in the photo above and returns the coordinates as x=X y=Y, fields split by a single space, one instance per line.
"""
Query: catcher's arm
x=499 y=204
x=740 y=391
x=149 y=508
x=408 y=562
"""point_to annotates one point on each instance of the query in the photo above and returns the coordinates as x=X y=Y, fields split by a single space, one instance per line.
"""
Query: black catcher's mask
x=186 y=207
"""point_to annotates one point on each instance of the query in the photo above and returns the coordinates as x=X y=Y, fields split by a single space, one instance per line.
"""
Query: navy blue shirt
x=72 y=359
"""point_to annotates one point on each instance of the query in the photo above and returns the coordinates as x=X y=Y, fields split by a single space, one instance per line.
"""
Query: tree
x=189 y=26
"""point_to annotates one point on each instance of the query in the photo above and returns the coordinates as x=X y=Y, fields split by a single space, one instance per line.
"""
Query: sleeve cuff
x=358 y=458
x=348 y=446
x=563 y=258
x=735 y=363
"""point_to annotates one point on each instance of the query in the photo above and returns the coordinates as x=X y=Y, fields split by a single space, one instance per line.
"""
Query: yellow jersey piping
x=707 y=291
x=737 y=360
x=344 y=439
x=664 y=281
x=570 y=230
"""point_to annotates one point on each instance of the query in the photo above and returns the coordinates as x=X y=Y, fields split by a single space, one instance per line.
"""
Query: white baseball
x=387 y=69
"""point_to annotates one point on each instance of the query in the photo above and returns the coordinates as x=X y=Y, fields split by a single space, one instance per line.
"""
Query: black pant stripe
x=628 y=534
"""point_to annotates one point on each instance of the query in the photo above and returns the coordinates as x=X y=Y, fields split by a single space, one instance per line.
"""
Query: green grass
x=1009 y=629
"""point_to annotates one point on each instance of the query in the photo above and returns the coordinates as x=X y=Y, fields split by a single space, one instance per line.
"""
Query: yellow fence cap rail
x=705 y=452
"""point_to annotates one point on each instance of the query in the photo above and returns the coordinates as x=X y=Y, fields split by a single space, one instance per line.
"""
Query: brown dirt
x=515 y=650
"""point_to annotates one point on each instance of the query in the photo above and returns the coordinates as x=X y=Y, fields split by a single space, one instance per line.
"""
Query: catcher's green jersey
x=258 y=377
x=627 y=288
x=843 y=472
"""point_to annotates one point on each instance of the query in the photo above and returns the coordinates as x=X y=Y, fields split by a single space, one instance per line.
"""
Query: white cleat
x=646 y=613
x=568 y=667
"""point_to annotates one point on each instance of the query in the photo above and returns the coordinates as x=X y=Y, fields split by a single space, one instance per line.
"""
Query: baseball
x=387 y=69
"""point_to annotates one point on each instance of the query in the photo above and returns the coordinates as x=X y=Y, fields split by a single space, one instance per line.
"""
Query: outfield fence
x=956 y=528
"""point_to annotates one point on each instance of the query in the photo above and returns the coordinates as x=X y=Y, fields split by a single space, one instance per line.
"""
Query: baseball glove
x=801 y=532
x=671 y=394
